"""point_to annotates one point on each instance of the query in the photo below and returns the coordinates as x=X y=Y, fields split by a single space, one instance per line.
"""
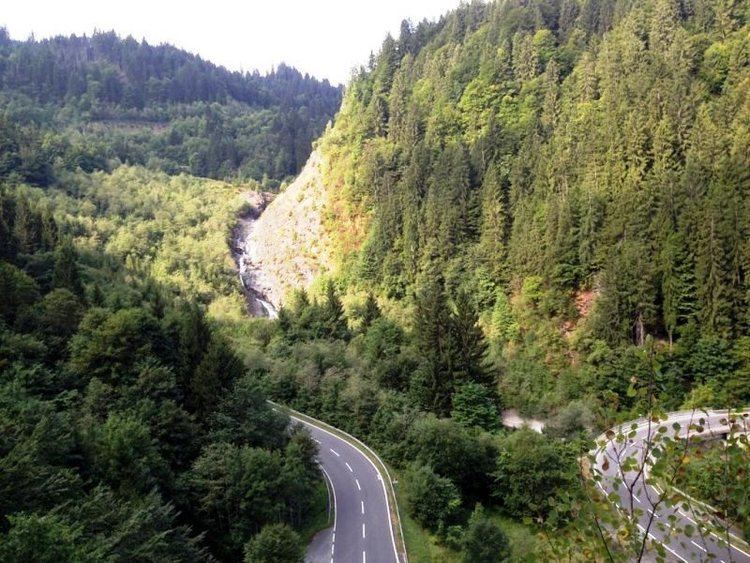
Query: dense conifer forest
x=580 y=171
x=131 y=429
x=93 y=102
x=539 y=205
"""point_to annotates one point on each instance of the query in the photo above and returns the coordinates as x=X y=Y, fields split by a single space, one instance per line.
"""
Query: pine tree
x=495 y=222
x=432 y=384
x=469 y=345
x=677 y=284
x=370 y=312
x=27 y=227
x=66 y=274
x=334 y=321
x=49 y=230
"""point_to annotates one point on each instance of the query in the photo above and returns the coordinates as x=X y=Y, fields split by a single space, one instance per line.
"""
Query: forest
x=539 y=205
x=580 y=171
x=548 y=202
x=93 y=102
x=131 y=429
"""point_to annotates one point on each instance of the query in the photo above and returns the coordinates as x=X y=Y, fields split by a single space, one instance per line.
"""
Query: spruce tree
x=66 y=274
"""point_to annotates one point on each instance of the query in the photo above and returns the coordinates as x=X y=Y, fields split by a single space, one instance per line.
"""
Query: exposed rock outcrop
x=287 y=246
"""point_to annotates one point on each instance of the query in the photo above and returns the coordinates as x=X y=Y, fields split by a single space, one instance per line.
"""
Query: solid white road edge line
x=335 y=505
x=669 y=549
x=377 y=471
x=703 y=549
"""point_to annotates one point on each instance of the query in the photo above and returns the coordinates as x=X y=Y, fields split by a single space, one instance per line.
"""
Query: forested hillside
x=91 y=101
x=535 y=204
x=131 y=429
x=539 y=205
x=581 y=170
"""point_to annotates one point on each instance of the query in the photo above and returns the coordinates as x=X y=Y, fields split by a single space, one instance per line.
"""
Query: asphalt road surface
x=361 y=532
x=654 y=517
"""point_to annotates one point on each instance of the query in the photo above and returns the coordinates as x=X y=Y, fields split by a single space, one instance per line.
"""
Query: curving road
x=644 y=499
x=361 y=531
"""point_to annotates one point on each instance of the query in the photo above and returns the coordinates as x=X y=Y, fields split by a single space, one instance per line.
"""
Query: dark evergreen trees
x=182 y=113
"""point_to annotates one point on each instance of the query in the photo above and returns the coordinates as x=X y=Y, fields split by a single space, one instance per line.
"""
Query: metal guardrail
x=624 y=427
x=391 y=500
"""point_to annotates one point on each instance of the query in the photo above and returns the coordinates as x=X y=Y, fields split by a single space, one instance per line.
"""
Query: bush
x=276 y=543
x=531 y=469
x=484 y=541
x=432 y=500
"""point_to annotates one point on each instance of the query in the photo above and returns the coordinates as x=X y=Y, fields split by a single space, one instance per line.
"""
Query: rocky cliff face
x=287 y=247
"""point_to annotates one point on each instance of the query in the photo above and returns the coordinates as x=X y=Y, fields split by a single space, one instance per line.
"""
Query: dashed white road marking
x=362 y=504
x=364 y=557
x=358 y=487
x=363 y=529
x=349 y=467
x=703 y=549
x=334 y=452
x=377 y=472
x=316 y=440
x=669 y=549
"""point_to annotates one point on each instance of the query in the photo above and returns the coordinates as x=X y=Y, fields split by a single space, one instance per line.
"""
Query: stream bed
x=258 y=304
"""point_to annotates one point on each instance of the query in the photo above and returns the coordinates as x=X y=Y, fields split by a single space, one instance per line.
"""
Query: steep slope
x=288 y=246
x=529 y=153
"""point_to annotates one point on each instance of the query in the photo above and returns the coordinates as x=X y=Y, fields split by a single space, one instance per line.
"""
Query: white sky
x=326 y=38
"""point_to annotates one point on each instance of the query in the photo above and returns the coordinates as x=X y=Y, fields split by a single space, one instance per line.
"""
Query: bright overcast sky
x=326 y=38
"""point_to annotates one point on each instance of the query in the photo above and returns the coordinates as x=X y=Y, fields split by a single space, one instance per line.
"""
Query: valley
x=492 y=295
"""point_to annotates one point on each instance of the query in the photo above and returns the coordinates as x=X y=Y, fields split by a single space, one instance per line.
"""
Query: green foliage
x=66 y=274
x=306 y=319
x=275 y=543
x=452 y=451
x=452 y=347
x=531 y=471
x=484 y=541
x=578 y=168
x=244 y=417
x=111 y=99
x=218 y=368
x=432 y=500
x=122 y=453
x=474 y=406
x=111 y=388
x=45 y=538
x=717 y=474
x=237 y=490
x=18 y=289
x=110 y=344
